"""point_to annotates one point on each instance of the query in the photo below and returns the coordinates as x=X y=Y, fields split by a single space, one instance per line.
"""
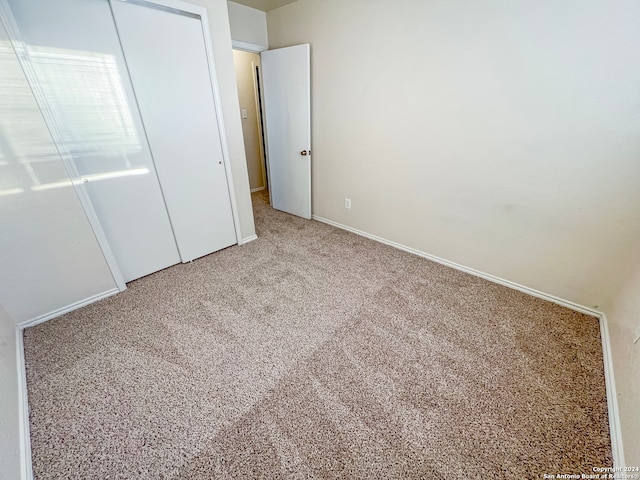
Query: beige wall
x=9 y=408
x=245 y=63
x=624 y=326
x=223 y=57
x=499 y=135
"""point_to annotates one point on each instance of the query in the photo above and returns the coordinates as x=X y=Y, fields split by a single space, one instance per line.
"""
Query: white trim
x=23 y=401
x=26 y=468
x=69 y=308
x=617 y=448
x=248 y=239
x=476 y=273
x=259 y=189
x=248 y=47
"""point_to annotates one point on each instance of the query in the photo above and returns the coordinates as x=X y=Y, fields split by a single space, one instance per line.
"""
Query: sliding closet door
x=167 y=61
x=82 y=78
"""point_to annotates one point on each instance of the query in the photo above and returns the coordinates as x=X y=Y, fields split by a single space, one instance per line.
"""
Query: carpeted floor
x=315 y=353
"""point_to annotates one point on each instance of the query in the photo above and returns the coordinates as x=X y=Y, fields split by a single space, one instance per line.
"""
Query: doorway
x=282 y=88
x=248 y=70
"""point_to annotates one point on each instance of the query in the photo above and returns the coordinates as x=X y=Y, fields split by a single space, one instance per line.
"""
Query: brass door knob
x=303 y=153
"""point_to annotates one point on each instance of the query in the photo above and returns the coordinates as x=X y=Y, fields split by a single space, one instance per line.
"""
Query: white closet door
x=167 y=61
x=76 y=54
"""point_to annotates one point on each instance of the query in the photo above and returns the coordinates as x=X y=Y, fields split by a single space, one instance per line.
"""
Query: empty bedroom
x=319 y=239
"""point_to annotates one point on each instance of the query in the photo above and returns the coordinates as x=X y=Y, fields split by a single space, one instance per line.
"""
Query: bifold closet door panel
x=74 y=48
x=168 y=64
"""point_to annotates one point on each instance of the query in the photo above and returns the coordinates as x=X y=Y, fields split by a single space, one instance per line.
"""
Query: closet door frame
x=176 y=6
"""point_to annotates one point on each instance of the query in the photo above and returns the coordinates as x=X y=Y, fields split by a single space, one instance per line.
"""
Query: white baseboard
x=25 y=437
x=69 y=308
x=248 y=239
x=612 y=401
x=477 y=273
x=23 y=409
x=259 y=189
x=617 y=449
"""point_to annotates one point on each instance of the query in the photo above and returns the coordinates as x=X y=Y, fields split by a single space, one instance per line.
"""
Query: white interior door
x=168 y=64
x=82 y=77
x=287 y=106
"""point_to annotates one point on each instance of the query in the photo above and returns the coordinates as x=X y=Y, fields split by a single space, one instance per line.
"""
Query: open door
x=287 y=111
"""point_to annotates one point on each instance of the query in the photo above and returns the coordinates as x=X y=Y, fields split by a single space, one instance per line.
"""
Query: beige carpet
x=315 y=353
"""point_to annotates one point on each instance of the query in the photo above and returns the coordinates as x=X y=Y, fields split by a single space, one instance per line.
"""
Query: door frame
x=176 y=6
x=264 y=147
x=258 y=93
x=256 y=72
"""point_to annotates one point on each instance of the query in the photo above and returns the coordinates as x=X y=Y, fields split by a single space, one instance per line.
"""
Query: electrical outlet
x=347 y=203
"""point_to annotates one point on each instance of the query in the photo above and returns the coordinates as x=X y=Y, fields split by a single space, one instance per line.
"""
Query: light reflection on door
x=83 y=79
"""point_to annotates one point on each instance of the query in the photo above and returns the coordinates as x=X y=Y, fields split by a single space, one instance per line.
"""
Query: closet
x=127 y=94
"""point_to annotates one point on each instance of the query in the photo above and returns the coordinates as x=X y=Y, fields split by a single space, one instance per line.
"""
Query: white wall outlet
x=347 y=203
x=244 y=113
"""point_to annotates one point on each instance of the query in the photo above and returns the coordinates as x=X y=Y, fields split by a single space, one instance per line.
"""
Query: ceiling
x=264 y=5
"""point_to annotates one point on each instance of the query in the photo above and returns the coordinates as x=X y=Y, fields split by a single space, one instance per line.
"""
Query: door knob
x=303 y=152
